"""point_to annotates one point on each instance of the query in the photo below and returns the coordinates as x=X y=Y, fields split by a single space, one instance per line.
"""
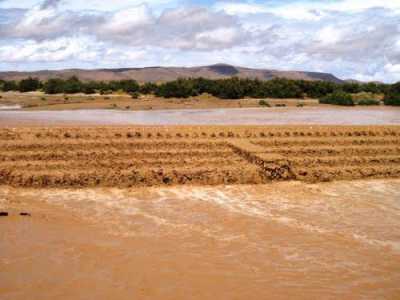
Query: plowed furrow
x=338 y=151
x=316 y=174
x=346 y=161
x=158 y=155
x=297 y=142
x=110 y=155
x=134 y=177
x=74 y=146
x=118 y=164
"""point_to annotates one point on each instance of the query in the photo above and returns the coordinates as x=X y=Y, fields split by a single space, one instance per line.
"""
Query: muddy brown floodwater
x=287 y=240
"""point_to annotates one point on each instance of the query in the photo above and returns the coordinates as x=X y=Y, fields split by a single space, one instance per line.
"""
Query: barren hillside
x=155 y=74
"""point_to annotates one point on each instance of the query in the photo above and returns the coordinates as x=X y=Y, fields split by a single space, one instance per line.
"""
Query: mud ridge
x=197 y=155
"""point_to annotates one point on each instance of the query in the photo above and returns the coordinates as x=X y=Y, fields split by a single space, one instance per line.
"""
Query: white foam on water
x=185 y=210
x=393 y=245
x=10 y=107
x=249 y=205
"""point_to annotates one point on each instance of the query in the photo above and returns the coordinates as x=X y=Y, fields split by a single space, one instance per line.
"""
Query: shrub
x=148 y=88
x=280 y=105
x=300 y=104
x=392 y=99
x=29 y=85
x=369 y=102
x=338 y=98
x=54 y=86
x=135 y=95
x=72 y=85
x=9 y=86
x=264 y=103
x=105 y=92
x=180 y=88
x=365 y=95
x=392 y=96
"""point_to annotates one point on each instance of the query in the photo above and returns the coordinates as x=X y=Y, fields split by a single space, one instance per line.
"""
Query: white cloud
x=124 y=21
x=237 y=8
x=349 y=38
x=305 y=10
x=329 y=35
x=50 y=51
x=99 y=5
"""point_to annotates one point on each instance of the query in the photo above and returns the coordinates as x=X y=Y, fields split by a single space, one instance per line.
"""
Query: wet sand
x=286 y=240
x=242 y=116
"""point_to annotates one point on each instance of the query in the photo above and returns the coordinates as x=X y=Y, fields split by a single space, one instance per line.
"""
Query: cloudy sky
x=357 y=39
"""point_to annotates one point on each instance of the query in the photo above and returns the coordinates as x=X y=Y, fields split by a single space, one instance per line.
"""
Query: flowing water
x=287 y=240
x=10 y=107
x=232 y=116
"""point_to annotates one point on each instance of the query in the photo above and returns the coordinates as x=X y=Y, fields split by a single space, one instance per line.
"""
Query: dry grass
x=40 y=101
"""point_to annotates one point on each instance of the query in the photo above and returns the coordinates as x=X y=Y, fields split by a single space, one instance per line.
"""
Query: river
x=286 y=240
x=240 y=116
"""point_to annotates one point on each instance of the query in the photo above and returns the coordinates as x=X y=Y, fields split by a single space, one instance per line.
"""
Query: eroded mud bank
x=211 y=155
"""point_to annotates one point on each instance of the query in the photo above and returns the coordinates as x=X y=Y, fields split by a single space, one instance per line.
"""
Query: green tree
x=148 y=88
x=392 y=96
x=10 y=86
x=73 y=85
x=180 y=88
x=338 y=98
x=54 y=86
x=129 y=86
x=29 y=84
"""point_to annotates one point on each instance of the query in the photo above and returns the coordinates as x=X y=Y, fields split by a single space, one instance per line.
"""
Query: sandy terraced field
x=212 y=155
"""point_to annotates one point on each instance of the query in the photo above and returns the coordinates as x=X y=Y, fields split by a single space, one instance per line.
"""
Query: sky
x=357 y=39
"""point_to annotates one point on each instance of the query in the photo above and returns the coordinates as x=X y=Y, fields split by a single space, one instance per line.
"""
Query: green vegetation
x=148 y=88
x=368 y=102
x=229 y=88
x=264 y=103
x=181 y=88
x=392 y=97
x=73 y=85
x=135 y=95
x=367 y=98
x=7 y=86
x=29 y=85
x=338 y=98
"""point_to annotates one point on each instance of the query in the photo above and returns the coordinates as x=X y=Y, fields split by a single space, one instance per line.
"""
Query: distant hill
x=159 y=74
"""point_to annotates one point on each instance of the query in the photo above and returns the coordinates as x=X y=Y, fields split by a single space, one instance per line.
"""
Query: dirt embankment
x=148 y=156
x=41 y=101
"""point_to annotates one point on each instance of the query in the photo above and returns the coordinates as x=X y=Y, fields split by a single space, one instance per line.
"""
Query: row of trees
x=70 y=86
x=391 y=97
x=237 y=88
x=231 y=88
